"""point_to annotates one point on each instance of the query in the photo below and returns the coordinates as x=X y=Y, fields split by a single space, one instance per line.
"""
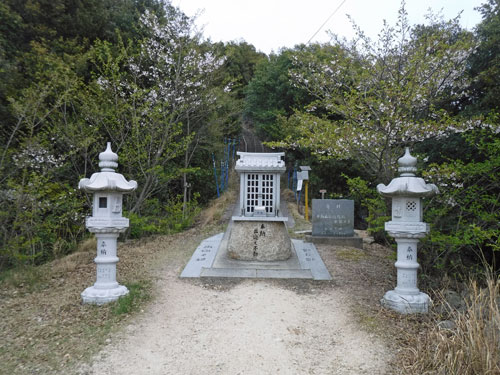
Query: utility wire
x=324 y=23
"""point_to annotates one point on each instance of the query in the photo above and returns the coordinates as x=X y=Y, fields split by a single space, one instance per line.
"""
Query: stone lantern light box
x=107 y=223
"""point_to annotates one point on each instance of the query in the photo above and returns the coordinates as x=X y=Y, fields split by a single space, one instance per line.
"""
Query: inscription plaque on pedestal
x=333 y=217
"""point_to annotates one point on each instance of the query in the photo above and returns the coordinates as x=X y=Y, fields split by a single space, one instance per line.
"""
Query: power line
x=324 y=23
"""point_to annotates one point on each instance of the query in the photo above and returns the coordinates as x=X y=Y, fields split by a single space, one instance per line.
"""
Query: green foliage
x=241 y=60
x=41 y=220
x=139 y=292
x=366 y=197
x=485 y=61
x=164 y=219
x=465 y=216
x=41 y=215
x=75 y=75
x=270 y=94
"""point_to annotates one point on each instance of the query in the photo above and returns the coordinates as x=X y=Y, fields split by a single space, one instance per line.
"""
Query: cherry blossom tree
x=149 y=94
x=373 y=98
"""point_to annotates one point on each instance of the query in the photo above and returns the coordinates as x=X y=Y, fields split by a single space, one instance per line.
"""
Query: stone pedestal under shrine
x=259 y=240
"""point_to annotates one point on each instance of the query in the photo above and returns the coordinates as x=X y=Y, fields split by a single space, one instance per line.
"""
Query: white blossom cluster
x=37 y=158
x=177 y=71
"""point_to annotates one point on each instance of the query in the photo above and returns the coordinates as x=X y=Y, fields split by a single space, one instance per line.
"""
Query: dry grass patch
x=471 y=343
x=352 y=254
x=219 y=211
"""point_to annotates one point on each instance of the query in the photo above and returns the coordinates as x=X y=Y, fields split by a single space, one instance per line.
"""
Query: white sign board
x=299 y=185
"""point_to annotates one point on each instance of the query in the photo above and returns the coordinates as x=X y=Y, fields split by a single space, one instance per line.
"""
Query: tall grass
x=471 y=347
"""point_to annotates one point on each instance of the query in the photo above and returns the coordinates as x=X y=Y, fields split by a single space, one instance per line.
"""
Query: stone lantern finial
x=108 y=160
x=407 y=164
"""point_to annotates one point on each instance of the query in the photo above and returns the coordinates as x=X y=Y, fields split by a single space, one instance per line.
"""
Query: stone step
x=253 y=273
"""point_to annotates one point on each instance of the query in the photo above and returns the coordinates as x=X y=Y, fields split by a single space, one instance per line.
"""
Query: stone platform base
x=211 y=259
x=406 y=304
x=102 y=296
x=354 y=241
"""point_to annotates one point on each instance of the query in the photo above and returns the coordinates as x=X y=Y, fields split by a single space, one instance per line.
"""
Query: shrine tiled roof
x=260 y=161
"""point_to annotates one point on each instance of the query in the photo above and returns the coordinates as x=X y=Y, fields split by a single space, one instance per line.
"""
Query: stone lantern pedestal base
x=102 y=296
x=106 y=288
x=407 y=303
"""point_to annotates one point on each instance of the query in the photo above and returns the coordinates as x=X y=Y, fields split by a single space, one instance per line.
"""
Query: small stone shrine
x=107 y=223
x=256 y=243
x=333 y=223
x=407 y=228
x=259 y=231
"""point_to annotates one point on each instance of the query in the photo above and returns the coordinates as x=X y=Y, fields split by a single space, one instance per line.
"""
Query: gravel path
x=243 y=327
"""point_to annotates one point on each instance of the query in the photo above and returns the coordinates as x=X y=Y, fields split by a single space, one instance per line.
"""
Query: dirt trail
x=256 y=327
x=243 y=327
x=249 y=141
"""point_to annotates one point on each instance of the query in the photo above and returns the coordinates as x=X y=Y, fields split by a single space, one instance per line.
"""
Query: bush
x=366 y=197
x=171 y=218
x=465 y=216
x=41 y=220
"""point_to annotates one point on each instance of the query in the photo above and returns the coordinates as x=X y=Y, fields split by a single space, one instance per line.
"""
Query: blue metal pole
x=226 y=170
x=222 y=179
x=234 y=148
x=294 y=182
x=215 y=175
x=227 y=160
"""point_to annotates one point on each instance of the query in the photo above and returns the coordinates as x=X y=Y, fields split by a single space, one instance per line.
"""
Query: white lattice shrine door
x=260 y=192
x=267 y=196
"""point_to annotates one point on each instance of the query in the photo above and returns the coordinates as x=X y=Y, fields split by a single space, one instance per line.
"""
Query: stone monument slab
x=333 y=217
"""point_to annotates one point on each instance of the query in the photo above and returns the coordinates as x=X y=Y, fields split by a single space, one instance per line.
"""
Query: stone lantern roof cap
x=407 y=184
x=260 y=161
x=107 y=179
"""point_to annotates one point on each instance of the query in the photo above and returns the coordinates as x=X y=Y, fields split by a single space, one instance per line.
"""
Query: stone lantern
x=107 y=223
x=407 y=228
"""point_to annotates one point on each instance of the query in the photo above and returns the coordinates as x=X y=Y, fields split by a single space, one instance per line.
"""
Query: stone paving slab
x=229 y=272
x=284 y=274
x=256 y=273
x=203 y=256
x=309 y=258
